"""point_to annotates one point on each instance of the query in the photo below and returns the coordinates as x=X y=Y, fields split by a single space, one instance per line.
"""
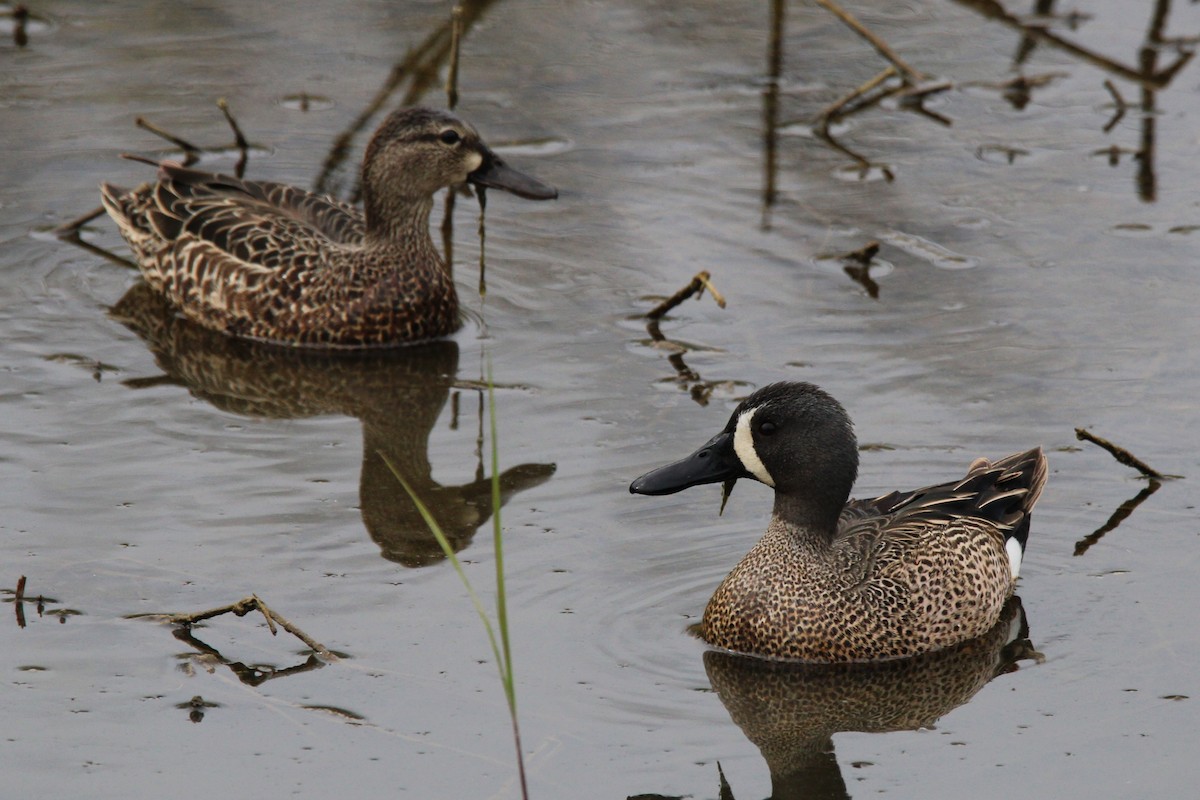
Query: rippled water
x=1026 y=286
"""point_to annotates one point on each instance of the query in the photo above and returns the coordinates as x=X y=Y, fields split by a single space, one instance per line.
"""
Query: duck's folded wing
x=1002 y=491
x=218 y=207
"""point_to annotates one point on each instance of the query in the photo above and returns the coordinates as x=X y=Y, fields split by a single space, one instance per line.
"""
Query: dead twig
x=72 y=228
x=243 y=607
x=695 y=287
x=1120 y=454
x=189 y=149
x=842 y=108
x=238 y=137
x=907 y=73
x=1159 y=79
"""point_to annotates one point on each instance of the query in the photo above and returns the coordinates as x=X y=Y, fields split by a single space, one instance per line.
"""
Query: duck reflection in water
x=397 y=394
x=790 y=711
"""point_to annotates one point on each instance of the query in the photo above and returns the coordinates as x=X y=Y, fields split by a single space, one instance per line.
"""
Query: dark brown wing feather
x=1001 y=492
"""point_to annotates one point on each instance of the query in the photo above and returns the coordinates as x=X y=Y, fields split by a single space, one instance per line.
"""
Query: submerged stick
x=1117 y=517
x=1119 y=453
x=695 y=287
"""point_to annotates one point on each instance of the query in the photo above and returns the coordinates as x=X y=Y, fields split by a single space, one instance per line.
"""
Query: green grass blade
x=452 y=557
x=498 y=545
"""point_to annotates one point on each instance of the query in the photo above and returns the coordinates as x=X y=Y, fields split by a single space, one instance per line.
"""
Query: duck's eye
x=450 y=136
x=766 y=427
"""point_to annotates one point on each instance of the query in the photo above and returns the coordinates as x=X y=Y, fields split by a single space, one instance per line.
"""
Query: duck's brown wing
x=241 y=218
x=233 y=254
x=1001 y=492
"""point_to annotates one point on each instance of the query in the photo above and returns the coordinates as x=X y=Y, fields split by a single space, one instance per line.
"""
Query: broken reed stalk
x=837 y=108
x=1119 y=453
x=182 y=144
x=243 y=607
x=500 y=643
x=907 y=73
x=695 y=287
x=238 y=136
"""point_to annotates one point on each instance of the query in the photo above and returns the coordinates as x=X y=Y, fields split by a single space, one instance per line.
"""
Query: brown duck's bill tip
x=495 y=174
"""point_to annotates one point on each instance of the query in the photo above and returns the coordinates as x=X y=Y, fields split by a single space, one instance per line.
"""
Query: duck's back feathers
x=1002 y=491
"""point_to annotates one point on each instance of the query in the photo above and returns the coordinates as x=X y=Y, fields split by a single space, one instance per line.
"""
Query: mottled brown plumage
x=272 y=262
x=838 y=580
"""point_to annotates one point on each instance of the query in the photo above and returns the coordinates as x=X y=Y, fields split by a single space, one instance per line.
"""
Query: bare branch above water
x=1120 y=454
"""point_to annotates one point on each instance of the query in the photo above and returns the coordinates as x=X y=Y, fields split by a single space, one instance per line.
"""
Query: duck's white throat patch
x=743 y=445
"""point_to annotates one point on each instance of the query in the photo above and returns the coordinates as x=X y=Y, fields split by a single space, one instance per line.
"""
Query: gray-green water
x=1017 y=301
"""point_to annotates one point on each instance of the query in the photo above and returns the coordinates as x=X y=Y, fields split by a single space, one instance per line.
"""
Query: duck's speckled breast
x=870 y=595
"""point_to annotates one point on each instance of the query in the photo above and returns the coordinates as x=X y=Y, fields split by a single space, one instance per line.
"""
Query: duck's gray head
x=418 y=151
x=794 y=437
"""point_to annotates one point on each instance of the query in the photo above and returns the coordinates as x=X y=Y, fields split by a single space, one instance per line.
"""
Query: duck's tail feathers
x=1016 y=482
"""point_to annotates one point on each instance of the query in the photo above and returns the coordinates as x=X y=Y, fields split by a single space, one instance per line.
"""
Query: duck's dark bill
x=495 y=174
x=714 y=463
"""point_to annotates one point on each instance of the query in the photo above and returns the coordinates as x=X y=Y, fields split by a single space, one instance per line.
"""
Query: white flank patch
x=743 y=446
x=1015 y=551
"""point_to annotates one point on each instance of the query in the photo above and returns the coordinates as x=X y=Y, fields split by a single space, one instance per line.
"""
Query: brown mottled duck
x=273 y=262
x=834 y=579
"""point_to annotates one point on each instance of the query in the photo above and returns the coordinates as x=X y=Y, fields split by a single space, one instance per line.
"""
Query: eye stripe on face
x=743 y=446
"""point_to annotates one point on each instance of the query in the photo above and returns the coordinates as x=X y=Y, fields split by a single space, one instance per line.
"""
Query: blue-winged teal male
x=273 y=262
x=834 y=579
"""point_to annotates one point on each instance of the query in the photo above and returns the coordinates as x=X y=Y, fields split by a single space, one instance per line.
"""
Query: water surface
x=1026 y=286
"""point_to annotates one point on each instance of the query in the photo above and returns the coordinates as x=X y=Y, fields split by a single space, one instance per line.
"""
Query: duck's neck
x=402 y=224
x=811 y=522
